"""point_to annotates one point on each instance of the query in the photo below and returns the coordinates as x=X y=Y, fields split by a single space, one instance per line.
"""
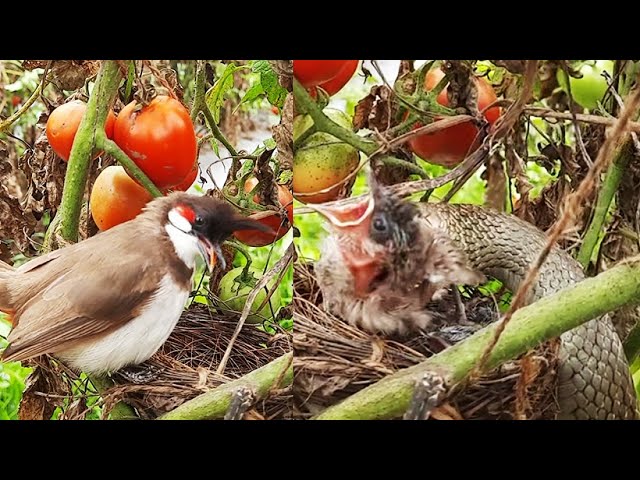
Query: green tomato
x=234 y=291
x=588 y=90
x=322 y=160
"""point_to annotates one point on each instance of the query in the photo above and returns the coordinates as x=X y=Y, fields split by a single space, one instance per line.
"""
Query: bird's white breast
x=135 y=341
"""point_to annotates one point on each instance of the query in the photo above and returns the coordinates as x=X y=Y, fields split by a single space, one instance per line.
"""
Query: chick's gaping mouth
x=364 y=258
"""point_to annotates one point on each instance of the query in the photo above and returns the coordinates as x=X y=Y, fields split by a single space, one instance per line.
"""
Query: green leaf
x=285 y=177
x=254 y=92
x=215 y=96
x=246 y=169
x=276 y=94
x=214 y=145
x=270 y=143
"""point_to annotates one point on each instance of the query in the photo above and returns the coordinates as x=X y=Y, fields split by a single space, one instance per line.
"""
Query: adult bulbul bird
x=112 y=300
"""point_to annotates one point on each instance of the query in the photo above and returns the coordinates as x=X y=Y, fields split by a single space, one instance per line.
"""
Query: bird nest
x=333 y=360
x=182 y=369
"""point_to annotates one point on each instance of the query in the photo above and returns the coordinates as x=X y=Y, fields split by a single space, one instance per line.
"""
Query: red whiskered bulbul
x=112 y=300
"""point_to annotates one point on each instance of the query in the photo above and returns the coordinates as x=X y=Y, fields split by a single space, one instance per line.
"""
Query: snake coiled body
x=594 y=381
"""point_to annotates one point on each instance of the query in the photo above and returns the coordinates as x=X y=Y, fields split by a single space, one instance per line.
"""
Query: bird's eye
x=199 y=221
x=380 y=224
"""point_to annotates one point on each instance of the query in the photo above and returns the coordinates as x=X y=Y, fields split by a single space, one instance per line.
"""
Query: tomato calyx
x=462 y=94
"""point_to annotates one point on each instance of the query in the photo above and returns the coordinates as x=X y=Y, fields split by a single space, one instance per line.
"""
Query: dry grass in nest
x=187 y=362
x=333 y=360
x=183 y=369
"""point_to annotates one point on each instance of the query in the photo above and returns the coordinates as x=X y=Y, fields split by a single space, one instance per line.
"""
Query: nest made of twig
x=184 y=368
x=186 y=364
x=333 y=360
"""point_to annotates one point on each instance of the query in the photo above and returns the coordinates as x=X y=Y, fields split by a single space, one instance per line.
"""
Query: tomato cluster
x=159 y=137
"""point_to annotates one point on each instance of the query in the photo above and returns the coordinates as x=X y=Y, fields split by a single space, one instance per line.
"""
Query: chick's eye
x=199 y=221
x=380 y=224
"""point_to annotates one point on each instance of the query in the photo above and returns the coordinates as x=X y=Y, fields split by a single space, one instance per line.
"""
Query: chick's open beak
x=211 y=253
x=352 y=221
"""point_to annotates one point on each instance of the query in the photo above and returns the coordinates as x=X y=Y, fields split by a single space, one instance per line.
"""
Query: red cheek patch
x=187 y=213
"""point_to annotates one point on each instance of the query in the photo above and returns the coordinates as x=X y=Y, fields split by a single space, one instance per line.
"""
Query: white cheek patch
x=179 y=221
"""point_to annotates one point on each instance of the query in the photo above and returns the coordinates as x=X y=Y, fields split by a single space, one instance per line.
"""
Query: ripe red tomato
x=256 y=238
x=450 y=146
x=116 y=198
x=314 y=72
x=185 y=184
x=63 y=124
x=159 y=138
x=336 y=84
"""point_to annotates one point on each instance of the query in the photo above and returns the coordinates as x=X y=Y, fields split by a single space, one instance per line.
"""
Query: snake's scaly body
x=594 y=381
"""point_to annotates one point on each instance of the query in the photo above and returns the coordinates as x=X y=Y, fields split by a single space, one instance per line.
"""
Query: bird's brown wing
x=97 y=292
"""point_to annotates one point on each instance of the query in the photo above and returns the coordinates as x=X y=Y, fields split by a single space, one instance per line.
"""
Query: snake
x=594 y=380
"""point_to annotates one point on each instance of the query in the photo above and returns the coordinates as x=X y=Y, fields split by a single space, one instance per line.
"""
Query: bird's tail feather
x=6 y=272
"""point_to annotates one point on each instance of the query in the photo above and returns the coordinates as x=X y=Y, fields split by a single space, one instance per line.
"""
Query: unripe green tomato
x=322 y=160
x=233 y=295
x=588 y=90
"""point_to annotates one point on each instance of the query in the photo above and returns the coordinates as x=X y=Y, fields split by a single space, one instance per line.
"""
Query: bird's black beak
x=211 y=253
x=351 y=220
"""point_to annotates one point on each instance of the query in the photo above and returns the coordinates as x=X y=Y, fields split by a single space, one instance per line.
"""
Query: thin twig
x=4 y=124
x=581 y=117
x=576 y=127
x=277 y=268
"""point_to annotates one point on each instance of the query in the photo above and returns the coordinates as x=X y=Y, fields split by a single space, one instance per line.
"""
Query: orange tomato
x=159 y=138
x=116 y=198
x=63 y=124
x=450 y=146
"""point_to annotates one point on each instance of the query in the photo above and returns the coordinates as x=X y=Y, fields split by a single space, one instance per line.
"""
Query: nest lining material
x=181 y=370
x=333 y=360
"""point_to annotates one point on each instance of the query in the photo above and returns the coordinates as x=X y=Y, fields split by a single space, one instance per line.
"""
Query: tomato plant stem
x=100 y=101
x=541 y=321
x=609 y=188
x=112 y=148
x=305 y=104
x=198 y=93
x=399 y=163
x=200 y=105
x=216 y=131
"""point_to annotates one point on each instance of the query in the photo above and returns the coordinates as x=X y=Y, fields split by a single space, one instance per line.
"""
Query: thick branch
x=100 y=101
x=215 y=403
x=545 y=319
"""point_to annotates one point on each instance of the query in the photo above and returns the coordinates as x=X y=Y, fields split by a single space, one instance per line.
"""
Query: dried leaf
x=496 y=192
x=283 y=135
